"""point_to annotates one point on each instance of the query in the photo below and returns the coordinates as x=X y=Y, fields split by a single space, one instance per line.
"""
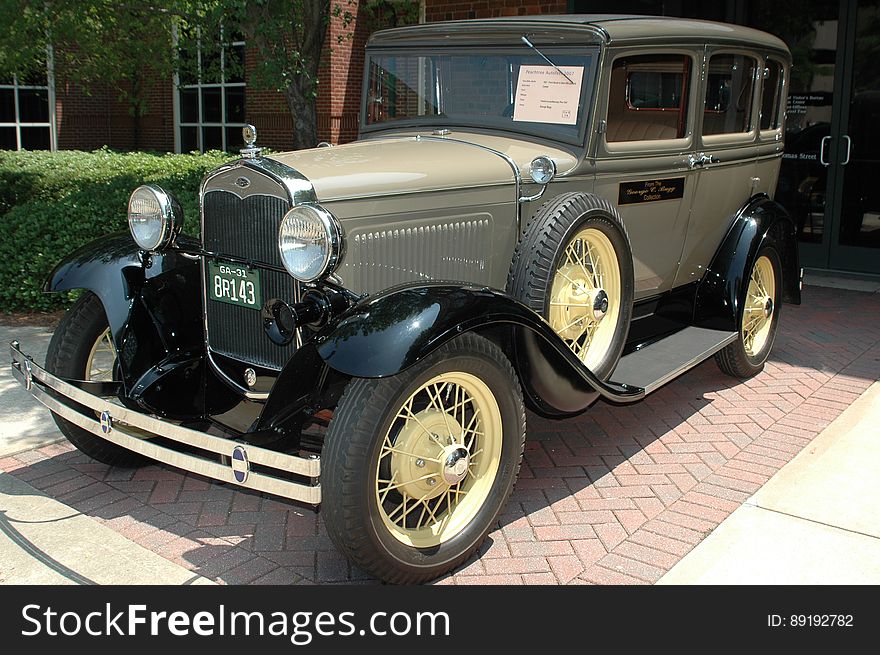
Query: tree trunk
x=292 y=34
x=302 y=111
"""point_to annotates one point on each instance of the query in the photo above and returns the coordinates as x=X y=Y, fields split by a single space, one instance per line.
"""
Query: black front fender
x=111 y=268
x=385 y=334
x=721 y=292
x=152 y=303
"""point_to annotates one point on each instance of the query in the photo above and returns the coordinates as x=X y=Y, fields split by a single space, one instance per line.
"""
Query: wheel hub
x=426 y=459
x=768 y=307
x=456 y=460
x=575 y=303
x=600 y=304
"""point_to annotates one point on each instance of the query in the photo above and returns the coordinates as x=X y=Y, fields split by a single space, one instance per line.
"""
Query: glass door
x=811 y=29
x=856 y=242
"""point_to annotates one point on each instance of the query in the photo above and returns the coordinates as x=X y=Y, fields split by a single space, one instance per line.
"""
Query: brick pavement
x=618 y=495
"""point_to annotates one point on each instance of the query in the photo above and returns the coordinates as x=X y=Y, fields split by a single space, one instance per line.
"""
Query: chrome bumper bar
x=116 y=422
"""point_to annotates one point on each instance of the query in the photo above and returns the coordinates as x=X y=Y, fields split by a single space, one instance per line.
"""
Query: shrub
x=52 y=203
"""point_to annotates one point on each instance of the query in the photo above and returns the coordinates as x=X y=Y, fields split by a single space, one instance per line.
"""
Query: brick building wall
x=437 y=10
x=87 y=121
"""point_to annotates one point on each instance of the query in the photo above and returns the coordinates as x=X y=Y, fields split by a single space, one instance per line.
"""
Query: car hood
x=413 y=163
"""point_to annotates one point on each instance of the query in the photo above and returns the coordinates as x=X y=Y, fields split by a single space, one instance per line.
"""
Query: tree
x=125 y=44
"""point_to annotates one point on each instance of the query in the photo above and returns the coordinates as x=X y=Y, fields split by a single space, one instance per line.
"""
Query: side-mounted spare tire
x=573 y=266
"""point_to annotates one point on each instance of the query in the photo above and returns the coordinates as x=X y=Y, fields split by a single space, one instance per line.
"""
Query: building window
x=25 y=113
x=211 y=97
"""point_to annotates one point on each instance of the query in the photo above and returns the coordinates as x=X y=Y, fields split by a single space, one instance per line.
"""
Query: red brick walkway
x=617 y=495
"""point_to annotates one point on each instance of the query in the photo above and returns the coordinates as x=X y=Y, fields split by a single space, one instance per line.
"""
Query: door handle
x=701 y=159
x=822 y=160
x=848 y=149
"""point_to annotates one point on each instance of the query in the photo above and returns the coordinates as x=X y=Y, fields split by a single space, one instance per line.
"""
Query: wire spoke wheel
x=101 y=360
x=82 y=348
x=745 y=357
x=439 y=459
x=573 y=265
x=416 y=467
x=585 y=296
x=759 y=307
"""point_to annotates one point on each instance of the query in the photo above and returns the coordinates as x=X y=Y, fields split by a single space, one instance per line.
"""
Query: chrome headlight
x=542 y=169
x=154 y=217
x=310 y=242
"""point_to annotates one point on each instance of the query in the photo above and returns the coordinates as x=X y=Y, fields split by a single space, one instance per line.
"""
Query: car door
x=726 y=159
x=641 y=157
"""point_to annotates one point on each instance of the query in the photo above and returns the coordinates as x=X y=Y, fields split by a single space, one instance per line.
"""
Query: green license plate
x=234 y=284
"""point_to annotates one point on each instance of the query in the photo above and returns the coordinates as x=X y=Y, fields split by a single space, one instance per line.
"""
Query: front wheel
x=417 y=467
x=745 y=357
x=82 y=349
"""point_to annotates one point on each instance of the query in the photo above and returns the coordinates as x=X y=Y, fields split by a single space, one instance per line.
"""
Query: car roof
x=586 y=28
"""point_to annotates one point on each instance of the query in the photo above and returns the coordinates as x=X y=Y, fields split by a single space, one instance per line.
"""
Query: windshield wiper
x=525 y=40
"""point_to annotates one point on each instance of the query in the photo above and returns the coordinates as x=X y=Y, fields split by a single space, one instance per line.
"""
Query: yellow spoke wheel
x=585 y=296
x=416 y=467
x=574 y=267
x=758 y=311
x=438 y=464
x=82 y=349
x=101 y=359
x=759 y=319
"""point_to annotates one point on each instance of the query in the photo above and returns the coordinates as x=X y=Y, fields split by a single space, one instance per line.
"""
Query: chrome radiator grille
x=246 y=228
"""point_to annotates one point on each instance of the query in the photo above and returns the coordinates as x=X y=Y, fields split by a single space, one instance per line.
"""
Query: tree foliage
x=125 y=44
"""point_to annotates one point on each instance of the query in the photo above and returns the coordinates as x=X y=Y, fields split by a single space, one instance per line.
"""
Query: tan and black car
x=538 y=213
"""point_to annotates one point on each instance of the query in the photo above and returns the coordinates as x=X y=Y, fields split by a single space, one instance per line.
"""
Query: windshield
x=511 y=90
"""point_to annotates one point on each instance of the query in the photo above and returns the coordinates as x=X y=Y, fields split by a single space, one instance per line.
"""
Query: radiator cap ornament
x=250 y=150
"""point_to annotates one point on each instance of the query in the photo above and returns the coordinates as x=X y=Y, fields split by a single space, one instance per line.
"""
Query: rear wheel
x=82 y=349
x=746 y=356
x=416 y=468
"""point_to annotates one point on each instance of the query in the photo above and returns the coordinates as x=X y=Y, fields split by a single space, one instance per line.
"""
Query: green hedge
x=52 y=203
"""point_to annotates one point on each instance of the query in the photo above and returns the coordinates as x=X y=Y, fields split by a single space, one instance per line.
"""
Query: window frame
x=774 y=133
x=17 y=123
x=531 y=130
x=733 y=138
x=199 y=86
x=679 y=144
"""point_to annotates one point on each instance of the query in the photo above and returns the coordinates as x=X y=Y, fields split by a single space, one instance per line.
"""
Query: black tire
x=352 y=459
x=67 y=357
x=542 y=247
x=733 y=359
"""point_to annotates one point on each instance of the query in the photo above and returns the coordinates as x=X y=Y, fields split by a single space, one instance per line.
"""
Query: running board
x=655 y=365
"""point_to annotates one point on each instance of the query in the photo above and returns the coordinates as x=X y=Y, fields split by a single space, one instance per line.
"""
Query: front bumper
x=184 y=448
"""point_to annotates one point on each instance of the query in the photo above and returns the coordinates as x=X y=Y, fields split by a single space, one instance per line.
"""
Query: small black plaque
x=650 y=190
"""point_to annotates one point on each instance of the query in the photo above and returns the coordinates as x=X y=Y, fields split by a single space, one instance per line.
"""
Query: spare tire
x=574 y=267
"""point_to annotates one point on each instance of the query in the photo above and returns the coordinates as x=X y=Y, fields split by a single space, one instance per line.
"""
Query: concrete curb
x=43 y=541
x=817 y=521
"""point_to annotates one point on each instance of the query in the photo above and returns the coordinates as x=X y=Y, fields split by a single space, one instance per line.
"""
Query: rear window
x=729 y=91
x=770 y=97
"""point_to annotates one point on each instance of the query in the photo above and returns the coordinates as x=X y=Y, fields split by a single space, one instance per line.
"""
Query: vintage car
x=538 y=213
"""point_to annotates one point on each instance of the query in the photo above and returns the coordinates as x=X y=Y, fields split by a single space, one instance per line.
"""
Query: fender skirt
x=721 y=293
x=385 y=334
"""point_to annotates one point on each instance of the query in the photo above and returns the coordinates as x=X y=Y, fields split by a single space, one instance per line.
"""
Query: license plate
x=234 y=284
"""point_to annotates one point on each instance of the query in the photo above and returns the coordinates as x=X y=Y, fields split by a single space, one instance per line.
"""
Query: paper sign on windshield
x=544 y=95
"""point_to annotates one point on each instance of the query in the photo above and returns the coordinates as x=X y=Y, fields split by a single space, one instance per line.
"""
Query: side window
x=648 y=98
x=771 y=112
x=729 y=89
